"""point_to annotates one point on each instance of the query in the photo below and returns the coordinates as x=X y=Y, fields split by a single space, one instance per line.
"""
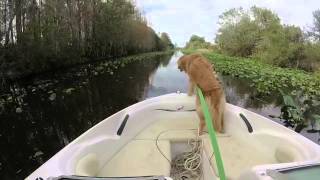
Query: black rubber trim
x=123 y=124
x=246 y=121
x=173 y=110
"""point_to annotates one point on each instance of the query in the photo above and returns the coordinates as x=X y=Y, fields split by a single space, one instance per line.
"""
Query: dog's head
x=185 y=61
x=182 y=63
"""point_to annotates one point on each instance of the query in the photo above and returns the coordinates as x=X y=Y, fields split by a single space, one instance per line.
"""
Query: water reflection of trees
x=239 y=92
x=31 y=137
x=165 y=60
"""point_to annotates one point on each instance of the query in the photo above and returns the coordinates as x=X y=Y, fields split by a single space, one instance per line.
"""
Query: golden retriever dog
x=202 y=74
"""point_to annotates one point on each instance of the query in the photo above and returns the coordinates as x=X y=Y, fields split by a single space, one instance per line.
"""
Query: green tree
x=312 y=57
x=283 y=47
x=166 y=40
x=197 y=42
x=239 y=37
x=38 y=35
x=315 y=30
x=258 y=33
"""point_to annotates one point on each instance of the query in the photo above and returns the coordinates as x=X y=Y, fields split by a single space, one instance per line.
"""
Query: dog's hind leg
x=216 y=119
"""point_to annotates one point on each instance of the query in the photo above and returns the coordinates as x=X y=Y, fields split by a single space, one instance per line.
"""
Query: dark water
x=42 y=115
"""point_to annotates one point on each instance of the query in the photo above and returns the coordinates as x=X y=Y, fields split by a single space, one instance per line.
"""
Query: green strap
x=212 y=135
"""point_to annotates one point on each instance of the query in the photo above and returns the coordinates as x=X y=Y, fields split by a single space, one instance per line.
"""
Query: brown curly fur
x=202 y=74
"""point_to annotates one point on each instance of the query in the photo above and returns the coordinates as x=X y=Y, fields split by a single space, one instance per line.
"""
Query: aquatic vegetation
x=1 y=105
x=301 y=100
x=264 y=77
x=111 y=66
x=49 y=88
x=291 y=113
x=69 y=90
x=18 y=110
x=296 y=112
x=52 y=96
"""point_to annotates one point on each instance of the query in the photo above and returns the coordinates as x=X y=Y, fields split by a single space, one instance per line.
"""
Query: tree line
x=197 y=42
x=259 y=33
x=38 y=35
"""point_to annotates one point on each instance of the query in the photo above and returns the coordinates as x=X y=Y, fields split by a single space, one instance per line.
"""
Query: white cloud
x=181 y=18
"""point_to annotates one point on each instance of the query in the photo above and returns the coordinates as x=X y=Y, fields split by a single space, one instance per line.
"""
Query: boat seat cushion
x=236 y=156
x=88 y=165
x=139 y=158
x=286 y=154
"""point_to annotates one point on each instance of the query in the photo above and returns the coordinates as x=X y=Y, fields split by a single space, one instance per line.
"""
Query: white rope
x=187 y=164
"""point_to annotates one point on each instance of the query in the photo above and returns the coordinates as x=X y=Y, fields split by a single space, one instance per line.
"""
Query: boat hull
x=248 y=136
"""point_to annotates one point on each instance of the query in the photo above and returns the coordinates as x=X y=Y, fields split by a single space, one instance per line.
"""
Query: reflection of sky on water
x=168 y=79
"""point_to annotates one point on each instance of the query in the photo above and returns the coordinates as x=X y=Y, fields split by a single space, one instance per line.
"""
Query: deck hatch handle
x=123 y=124
x=246 y=121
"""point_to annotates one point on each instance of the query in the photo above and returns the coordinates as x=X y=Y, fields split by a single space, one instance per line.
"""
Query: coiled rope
x=186 y=165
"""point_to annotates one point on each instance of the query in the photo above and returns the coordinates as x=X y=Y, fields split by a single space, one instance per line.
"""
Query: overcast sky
x=182 y=18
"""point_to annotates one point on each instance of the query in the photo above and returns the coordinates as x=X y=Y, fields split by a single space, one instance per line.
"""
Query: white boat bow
x=124 y=144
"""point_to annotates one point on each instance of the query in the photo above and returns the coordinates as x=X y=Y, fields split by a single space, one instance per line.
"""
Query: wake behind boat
x=144 y=139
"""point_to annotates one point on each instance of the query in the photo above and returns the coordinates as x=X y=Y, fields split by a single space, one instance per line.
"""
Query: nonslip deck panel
x=139 y=158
